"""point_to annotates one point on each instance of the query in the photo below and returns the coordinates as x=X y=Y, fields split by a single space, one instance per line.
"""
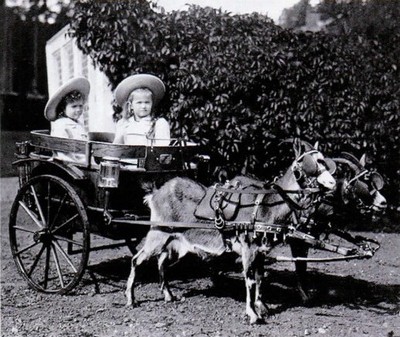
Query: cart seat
x=105 y=137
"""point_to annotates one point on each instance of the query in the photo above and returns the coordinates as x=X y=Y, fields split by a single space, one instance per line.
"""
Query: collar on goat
x=307 y=190
x=351 y=181
x=306 y=153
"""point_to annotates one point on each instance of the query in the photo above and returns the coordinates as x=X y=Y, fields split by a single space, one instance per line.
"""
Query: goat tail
x=148 y=186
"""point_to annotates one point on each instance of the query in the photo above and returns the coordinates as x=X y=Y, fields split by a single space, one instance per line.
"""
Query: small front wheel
x=49 y=234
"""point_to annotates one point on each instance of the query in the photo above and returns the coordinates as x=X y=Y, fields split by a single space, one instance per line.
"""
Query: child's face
x=74 y=109
x=141 y=104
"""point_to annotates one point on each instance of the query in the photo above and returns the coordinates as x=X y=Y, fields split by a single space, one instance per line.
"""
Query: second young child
x=64 y=110
x=138 y=95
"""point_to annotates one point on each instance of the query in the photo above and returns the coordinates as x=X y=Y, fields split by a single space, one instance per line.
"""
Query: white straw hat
x=133 y=82
x=80 y=84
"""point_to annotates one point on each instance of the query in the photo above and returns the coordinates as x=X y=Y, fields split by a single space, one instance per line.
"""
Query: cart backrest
x=148 y=158
x=42 y=139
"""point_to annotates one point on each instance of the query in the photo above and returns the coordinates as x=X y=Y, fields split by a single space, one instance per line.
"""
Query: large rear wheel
x=49 y=234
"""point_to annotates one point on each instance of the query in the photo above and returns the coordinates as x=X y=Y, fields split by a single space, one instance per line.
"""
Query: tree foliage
x=371 y=18
x=295 y=16
x=240 y=85
x=39 y=10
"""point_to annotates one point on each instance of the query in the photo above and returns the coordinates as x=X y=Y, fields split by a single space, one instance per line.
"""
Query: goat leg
x=262 y=308
x=248 y=258
x=300 y=249
x=130 y=286
x=129 y=292
x=164 y=286
x=250 y=299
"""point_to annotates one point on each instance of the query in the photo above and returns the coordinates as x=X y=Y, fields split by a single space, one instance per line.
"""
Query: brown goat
x=176 y=201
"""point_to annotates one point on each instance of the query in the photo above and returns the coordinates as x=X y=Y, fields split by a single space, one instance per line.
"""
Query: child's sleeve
x=59 y=130
x=162 y=130
x=119 y=133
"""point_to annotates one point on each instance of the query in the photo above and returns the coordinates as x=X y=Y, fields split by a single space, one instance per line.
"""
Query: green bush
x=240 y=85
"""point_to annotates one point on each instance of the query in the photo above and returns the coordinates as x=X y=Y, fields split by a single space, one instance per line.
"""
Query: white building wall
x=65 y=61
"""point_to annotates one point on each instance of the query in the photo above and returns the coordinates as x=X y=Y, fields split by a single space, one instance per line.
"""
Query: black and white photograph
x=202 y=168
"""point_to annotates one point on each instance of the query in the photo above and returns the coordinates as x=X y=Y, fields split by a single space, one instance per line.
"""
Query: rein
x=322 y=259
x=365 y=251
x=351 y=181
x=307 y=190
x=284 y=193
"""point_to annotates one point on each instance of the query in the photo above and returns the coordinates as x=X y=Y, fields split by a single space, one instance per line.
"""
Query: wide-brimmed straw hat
x=80 y=84
x=133 y=82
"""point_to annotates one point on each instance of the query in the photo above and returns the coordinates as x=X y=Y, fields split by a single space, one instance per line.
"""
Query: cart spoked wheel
x=49 y=234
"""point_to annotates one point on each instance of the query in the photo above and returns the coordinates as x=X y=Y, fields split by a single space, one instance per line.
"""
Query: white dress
x=132 y=132
x=65 y=127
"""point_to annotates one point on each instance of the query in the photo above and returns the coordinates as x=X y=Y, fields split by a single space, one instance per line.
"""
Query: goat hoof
x=133 y=304
x=307 y=299
x=170 y=298
x=262 y=309
x=256 y=320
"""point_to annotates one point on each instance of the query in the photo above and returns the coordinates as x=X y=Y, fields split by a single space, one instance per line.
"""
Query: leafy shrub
x=239 y=84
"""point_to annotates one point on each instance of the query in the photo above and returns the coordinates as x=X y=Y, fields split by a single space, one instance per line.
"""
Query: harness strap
x=257 y=202
x=319 y=244
x=357 y=176
x=172 y=224
x=275 y=229
x=306 y=153
x=308 y=190
x=291 y=203
x=322 y=259
x=229 y=225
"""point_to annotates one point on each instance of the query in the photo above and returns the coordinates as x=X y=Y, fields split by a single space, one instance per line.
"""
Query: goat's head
x=310 y=166
x=363 y=186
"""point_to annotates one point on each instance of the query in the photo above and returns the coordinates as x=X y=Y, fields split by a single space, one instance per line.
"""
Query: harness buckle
x=219 y=222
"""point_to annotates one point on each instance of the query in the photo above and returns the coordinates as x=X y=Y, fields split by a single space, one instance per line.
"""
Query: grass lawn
x=8 y=139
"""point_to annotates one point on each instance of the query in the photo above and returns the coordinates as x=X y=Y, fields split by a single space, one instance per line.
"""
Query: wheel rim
x=49 y=234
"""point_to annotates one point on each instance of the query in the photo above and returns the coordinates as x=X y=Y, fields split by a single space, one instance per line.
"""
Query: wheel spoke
x=65 y=223
x=31 y=214
x=62 y=238
x=62 y=203
x=26 y=248
x=38 y=206
x=55 y=256
x=48 y=202
x=64 y=254
x=22 y=229
x=46 y=267
x=37 y=258
x=49 y=234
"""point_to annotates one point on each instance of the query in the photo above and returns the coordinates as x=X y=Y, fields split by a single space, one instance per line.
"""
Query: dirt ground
x=356 y=298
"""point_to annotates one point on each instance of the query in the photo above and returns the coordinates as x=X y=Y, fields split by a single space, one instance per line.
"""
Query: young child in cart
x=64 y=110
x=138 y=95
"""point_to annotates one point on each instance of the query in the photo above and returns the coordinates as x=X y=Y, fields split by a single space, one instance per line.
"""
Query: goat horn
x=354 y=167
x=307 y=144
x=287 y=140
x=353 y=159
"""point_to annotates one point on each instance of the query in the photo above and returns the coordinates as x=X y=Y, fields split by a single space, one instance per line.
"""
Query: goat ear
x=297 y=147
x=363 y=160
x=316 y=145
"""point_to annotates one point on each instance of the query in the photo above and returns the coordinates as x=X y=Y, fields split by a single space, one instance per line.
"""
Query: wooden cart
x=60 y=203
